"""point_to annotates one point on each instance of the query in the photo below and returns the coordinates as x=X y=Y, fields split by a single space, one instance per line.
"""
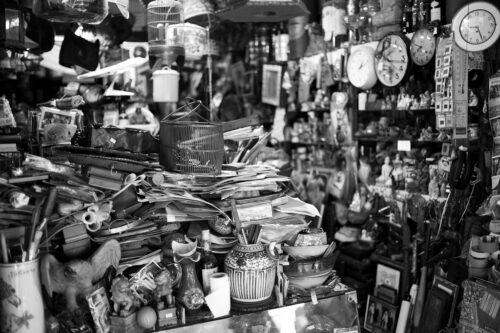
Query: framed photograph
x=380 y=316
x=388 y=276
x=51 y=116
x=271 y=84
x=100 y=309
x=247 y=87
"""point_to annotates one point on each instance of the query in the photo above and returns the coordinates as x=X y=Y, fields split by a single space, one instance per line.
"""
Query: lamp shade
x=262 y=11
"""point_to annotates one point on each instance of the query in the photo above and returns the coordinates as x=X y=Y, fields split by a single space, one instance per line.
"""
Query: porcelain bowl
x=305 y=252
x=307 y=282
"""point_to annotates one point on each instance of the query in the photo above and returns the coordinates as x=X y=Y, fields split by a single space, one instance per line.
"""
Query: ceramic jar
x=165 y=85
x=21 y=304
x=252 y=271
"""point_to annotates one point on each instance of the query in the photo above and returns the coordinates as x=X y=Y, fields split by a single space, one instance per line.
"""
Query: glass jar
x=74 y=11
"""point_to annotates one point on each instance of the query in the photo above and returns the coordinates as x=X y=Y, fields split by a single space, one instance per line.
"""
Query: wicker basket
x=191 y=147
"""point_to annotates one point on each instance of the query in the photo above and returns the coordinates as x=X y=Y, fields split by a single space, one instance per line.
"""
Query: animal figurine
x=77 y=276
x=163 y=290
x=122 y=296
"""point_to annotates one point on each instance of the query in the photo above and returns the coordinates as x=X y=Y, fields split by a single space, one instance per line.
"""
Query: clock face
x=476 y=26
x=422 y=47
x=391 y=59
x=361 y=68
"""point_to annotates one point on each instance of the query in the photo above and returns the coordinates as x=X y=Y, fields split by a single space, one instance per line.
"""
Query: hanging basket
x=191 y=147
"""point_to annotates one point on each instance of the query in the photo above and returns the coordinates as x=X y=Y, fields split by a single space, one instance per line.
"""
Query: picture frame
x=271 y=84
x=247 y=88
x=380 y=316
x=100 y=310
x=55 y=116
x=388 y=276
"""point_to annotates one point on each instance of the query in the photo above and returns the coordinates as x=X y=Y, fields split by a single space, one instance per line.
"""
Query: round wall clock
x=361 y=68
x=422 y=46
x=476 y=26
x=392 y=59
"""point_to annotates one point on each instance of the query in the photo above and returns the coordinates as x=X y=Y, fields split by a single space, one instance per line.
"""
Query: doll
x=433 y=185
x=387 y=168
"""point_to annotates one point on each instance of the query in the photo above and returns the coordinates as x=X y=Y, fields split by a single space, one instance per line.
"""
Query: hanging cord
x=442 y=214
x=209 y=65
x=467 y=205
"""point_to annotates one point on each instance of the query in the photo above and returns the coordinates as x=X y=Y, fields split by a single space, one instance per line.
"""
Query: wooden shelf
x=368 y=138
x=305 y=144
x=397 y=110
x=315 y=110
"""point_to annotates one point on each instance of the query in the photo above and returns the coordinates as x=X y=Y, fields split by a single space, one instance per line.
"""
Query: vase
x=252 y=272
x=189 y=293
x=21 y=304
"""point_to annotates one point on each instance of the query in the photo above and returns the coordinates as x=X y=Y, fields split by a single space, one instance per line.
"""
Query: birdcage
x=161 y=14
x=194 y=146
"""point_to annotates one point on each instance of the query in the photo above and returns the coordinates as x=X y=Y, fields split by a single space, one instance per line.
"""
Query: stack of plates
x=224 y=246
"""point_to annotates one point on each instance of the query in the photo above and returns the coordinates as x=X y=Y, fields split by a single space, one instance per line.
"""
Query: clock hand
x=478 y=30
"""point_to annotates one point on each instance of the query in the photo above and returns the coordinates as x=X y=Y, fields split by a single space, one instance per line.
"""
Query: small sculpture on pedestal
x=426 y=134
x=167 y=313
x=163 y=290
x=397 y=172
x=473 y=99
x=401 y=104
x=433 y=185
x=385 y=176
x=415 y=105
x=425 y=100
x=123 y=299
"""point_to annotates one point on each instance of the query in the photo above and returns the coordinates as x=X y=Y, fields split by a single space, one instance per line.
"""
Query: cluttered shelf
x=369 y=138
x=425 y=110
x=307 y=144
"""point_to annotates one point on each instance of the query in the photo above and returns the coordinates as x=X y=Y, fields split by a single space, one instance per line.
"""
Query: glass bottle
x=407 y=23
x=208 y=262
x=424 y=14
x=435 y=16
x=415 y=9
x=435 y=12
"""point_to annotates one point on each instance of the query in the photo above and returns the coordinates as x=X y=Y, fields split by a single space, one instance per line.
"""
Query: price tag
x=314 y=297
x=404 y=145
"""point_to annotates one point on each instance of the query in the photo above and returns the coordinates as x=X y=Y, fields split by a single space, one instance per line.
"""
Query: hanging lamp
x=262 y=11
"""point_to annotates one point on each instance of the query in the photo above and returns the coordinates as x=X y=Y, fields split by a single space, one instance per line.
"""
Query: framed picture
x=51 y=116
x=271 y=84
x=247 y=87
x=380 y=316
x=388 y=276
x=100 y=309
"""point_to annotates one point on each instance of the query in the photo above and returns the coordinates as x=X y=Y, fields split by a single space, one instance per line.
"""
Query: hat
x=119 y=7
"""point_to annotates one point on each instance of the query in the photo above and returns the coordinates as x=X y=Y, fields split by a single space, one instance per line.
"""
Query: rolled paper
x=219 y=281
x=403 y=317
x=91 y=221
x=93 y=208
x=219 y=298
x=157 y=179
x=130 y=179
x=18 y=199
x=67 y=208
